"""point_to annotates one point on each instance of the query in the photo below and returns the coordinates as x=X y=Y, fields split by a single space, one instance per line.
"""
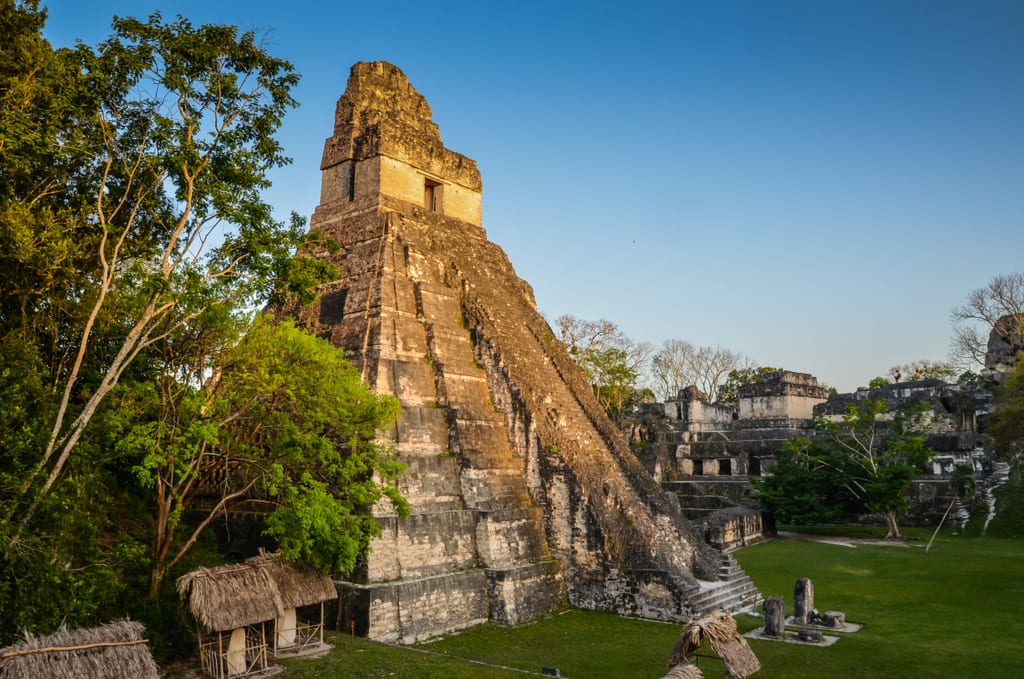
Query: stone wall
x=784 y=395
x=708 y=468
x=733 y=527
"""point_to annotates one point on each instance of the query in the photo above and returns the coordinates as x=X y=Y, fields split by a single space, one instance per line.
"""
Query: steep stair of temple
x=734 y=590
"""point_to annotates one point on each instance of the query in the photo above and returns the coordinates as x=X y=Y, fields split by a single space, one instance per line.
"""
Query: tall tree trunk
x=892 y=526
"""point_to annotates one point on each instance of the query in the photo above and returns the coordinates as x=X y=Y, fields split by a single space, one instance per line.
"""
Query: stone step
x=732 y=597
x=736 y=591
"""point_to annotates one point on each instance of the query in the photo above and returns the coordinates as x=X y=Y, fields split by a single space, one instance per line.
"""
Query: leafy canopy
x=861 y=463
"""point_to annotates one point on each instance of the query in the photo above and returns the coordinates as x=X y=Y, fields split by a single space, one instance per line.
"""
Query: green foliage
x=131 y=210
x=863 y=463
x=309 y=410
x=729 y=390
x=923 y=370
x=800 y=490
x=1006 y=423
x=610 y=360
x=879 y=382
x=134 y=245
x=287 y=424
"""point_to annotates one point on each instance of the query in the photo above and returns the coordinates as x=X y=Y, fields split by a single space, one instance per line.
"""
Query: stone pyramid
x=524 y=497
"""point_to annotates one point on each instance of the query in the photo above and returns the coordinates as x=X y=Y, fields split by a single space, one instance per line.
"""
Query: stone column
x=774 y=617
x=803 y=601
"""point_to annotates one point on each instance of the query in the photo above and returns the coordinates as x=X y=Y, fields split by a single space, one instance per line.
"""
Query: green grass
x=951 y=613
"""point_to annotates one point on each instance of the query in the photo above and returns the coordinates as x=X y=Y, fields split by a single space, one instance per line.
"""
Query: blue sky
x=813 y=184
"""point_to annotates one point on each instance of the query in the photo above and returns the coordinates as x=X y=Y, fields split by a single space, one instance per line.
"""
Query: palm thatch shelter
x=298 y=586
x=109 y=651
x=719 y=631
x=684 y=672
x=234 y=605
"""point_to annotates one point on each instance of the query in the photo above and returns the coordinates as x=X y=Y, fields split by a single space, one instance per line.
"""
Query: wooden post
x=263 y=646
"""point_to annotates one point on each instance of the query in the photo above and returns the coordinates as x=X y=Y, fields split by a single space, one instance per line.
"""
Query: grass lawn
x=951 y=613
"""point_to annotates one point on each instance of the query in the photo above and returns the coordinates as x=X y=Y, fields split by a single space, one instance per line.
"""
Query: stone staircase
x=733 y=591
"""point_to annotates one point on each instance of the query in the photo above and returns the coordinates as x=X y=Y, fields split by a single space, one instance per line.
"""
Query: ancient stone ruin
x=774 y=609
x=803 y=602
x=523 y=495
x=707 y=453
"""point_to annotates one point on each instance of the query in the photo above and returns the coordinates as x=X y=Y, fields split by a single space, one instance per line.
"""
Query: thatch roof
x=229 y=597
x=684 y=672
x=111 y=651
x=719 y=630
x=299 y=585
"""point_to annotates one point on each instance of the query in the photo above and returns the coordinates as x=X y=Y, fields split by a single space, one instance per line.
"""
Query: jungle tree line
x=624 y=372
x=134 y=246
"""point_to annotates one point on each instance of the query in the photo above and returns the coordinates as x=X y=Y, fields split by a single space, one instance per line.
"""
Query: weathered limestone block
x=421 y=430
x=803 y=601
x=1005 y=345
x=415 y=610
x=525 y=593
x=508 y=538
x=422 y=545
x=429 y=484
x=774 y=617
x=493 y=489
x=833 y=619
x=733 y=527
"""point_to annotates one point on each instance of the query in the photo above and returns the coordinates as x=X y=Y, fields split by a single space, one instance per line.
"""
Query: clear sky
x=815 y=184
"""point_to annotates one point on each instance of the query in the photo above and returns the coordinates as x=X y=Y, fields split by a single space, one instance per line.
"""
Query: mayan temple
x=524 y=497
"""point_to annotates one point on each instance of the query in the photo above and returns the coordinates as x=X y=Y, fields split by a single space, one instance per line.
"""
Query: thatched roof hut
x=297 y=584
x=257 y=590
x=111 y=651
x=719 y=630
x=228 y=597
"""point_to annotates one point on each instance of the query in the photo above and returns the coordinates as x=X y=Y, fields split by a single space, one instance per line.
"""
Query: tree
x=135 y=212
x=611 y=361
x=923 y=370
x=678 y=364
x=729 y=390
x=798 y=490
x=998 y=307
x=285 y=427
x=867 y=455
x=670 y=367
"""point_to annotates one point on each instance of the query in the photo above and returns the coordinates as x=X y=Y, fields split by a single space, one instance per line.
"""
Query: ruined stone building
x=523 y=495
x=706 y=453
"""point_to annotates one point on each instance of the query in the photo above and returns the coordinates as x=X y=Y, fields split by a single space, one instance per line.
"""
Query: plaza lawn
x=951 y=613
